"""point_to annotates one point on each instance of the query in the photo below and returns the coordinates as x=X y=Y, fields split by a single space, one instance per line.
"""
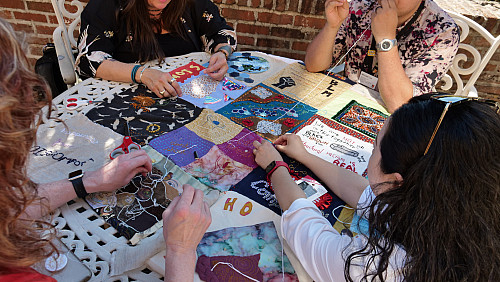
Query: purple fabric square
x=173 y=145
x=240 y=148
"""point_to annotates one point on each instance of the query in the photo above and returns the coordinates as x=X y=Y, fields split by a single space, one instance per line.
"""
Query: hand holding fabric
x=118 y=172
x=265 y=153
x=217 y=66
x=161 y=83
x=385 y=20
x=292 y=146
x=336 y=11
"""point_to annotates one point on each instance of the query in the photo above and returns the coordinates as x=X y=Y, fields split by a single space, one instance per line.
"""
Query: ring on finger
x=162 y=92
x=172 y=80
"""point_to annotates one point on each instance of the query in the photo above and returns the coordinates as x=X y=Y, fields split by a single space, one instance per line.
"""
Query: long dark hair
x=142 y=29
x=446 y=213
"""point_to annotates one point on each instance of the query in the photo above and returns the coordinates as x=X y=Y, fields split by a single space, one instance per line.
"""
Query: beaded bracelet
x=140 y=75
x=134 y=72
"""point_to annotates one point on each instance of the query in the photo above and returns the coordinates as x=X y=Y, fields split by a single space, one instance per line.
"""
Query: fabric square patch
x=217 y=170
x=247 y=241
x=214 y=127
x=267 y=112
x=148 y=116
x=364 y=119
x=336 y=143
x=199 y=87
x=240 y=148
x=229 y=268
x=256 y=187
x=314 y=89
x=182 y=73
x=180 y=146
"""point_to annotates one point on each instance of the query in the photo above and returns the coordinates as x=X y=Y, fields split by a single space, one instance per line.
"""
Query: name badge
x=368 y=80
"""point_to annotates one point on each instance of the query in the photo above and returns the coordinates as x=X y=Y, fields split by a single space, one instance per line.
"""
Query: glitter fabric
x=240 y=148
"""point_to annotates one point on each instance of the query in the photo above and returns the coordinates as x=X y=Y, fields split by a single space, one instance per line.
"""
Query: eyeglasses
x=453 y=100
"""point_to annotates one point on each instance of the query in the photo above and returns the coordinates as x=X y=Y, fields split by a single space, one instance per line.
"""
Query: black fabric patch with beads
x=148 y=116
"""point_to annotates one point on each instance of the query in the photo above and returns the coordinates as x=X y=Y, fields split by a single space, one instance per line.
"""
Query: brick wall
x=280 y=27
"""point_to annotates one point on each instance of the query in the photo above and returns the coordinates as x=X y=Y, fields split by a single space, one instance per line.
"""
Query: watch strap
x=77 y=182
x=228 y=50
x=272 y=167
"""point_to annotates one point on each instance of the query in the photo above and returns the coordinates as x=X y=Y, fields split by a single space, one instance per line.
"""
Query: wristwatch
x=272 y=167
x=76 y=178
x=226 y=50
x=386 y=44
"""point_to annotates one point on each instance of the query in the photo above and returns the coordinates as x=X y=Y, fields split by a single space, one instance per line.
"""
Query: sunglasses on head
x=449 y=101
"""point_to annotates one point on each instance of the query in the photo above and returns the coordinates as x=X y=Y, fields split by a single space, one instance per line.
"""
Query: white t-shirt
x=322 y=250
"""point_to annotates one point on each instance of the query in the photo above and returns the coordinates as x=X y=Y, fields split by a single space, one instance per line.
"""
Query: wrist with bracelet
x=226 y=50
x=271 y=168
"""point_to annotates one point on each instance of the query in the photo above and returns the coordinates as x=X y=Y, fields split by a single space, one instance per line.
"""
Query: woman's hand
x=292 y=146
x=185 y=221
x=161 y=83
x=385 y=20
x=265 y=153
x=336 y=11
x=217 y=66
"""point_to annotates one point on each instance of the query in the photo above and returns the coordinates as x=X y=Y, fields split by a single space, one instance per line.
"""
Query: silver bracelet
x=142 y=71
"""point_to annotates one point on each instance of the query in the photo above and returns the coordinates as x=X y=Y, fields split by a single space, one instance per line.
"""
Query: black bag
x=48 y=67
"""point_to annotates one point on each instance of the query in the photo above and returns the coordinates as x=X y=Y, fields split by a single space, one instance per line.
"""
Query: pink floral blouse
x=426 y=52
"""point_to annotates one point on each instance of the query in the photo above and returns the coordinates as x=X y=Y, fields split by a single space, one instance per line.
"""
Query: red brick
x=23 y=27
x=306 y=7
x=268 y=4
x=294 y=55
x=44 y=29
x=230 y=2
x=280 y=5
x=6 y=15
x=238 y=14
x=242 y=3
x=38 y=40
x=274 y=18
x=314 y=22
x=30 y=17
x=37 y=6
x=287 y=32
x=255 y=3
x=293 y=5
x=52 y=19
x=491 y=67
x=245 y=40
x=299 y=46
x=13 y=4
x=217 y=1
x=488 y=89
x=35 y=50
x=252 y=29
x=274 y=43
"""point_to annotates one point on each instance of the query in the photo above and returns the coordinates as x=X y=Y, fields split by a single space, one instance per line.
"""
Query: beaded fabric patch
x=250 y=240
x=217 y=170
x=148 y=116
x=214 y=127
x=180 y=146
x=240 y=148
x=359 y=117
x=137 y=206
x=199 y=87
x=267 y=112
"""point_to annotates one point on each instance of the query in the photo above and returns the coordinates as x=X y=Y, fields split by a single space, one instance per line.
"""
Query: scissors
x=126 y=147
x=74 y=103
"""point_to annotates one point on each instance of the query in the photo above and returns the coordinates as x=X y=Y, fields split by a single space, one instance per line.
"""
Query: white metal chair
x=478 y=63
x=64 y=39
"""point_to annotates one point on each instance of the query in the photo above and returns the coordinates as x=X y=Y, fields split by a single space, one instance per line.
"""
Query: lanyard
x=405 y=31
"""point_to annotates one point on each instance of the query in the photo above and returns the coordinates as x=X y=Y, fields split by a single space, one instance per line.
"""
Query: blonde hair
x=21 y=239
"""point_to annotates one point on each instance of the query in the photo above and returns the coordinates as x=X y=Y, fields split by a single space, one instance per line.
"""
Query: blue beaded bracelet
x=134 y=72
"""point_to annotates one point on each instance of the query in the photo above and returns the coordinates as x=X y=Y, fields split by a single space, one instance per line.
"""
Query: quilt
x=359 y=117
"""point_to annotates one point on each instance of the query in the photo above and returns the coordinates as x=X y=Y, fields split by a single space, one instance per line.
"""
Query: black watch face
x=270 y=166
x=386 y=45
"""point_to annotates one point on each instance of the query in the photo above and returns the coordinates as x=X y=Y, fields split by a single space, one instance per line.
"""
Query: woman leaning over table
x=433 y=215
x=116 y=36
x=23 y=202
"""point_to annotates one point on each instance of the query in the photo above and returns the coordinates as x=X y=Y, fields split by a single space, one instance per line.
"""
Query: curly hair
x=21 y=239
x=445 y=213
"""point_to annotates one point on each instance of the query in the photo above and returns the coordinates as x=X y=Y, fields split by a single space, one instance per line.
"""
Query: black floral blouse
x=102 y=37
x=426 y=52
